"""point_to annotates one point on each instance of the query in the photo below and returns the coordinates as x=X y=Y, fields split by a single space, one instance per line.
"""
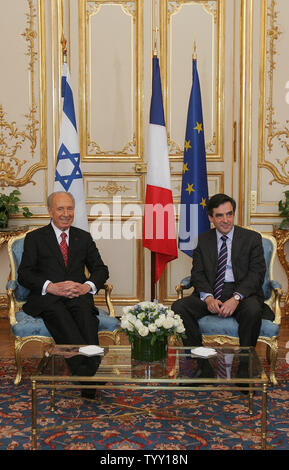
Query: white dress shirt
x=229 y=276
x=58 y=233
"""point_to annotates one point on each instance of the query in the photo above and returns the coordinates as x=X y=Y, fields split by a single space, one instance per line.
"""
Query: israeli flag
x=68 y=175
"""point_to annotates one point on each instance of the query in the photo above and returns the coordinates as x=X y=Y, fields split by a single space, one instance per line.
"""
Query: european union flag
x=193 y=214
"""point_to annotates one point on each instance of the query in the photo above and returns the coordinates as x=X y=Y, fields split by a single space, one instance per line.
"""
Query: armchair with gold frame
x=26 y=328
x=221 y=331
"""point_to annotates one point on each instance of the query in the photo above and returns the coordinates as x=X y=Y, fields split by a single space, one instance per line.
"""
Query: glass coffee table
x=230 y=368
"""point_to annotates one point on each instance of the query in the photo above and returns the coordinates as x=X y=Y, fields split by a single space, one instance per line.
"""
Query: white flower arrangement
x=152 y=320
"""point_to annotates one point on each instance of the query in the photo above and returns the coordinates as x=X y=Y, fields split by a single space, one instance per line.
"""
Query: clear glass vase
x=143 y=350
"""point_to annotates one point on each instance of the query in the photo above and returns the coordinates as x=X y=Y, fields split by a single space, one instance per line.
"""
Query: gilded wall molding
x=208 y=5
x=176 y=149
x=13 y=138
x=103 y=187
x=216 y=9
x=274 y=132
x=91 y=148
x=112 y=188
x=128 y=149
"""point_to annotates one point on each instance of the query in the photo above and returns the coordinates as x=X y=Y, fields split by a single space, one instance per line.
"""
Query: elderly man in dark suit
x=227 y=274
x=53 y=269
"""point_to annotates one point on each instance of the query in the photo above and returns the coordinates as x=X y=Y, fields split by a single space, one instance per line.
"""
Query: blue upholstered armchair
x=219 y=330
x=26 y=328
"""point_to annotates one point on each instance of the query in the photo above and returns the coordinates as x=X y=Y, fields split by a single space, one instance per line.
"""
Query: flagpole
x=194 y=48
x=68 y=174
x=158 y=188
x=155 y=29
x=193 y=218
x=153 y=255
x=64 y=49
x=153 y=281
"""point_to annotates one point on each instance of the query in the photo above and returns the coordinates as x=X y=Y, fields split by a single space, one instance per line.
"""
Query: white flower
x=168 y=323
x=138 y=324
x=126 y=310
x=151 y=318
x=131 y=318
x=148 y=305
x=143 y=331
x=160 y=321
x=152 y=327
x=177 y=320
x=126 y=324
x=160 y=306
x=180 y=327
x=171 y=313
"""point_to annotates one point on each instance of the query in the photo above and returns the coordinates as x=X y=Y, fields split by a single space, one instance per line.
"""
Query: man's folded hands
x=68 y=289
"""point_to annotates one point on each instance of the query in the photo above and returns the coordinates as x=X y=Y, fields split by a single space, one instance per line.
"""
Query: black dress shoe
x=243 y=373
x=183 y=384
x=88 y=393
x=197 y=374
x=245 y=392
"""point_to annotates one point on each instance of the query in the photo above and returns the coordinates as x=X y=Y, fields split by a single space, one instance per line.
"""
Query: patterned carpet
x=170 y=421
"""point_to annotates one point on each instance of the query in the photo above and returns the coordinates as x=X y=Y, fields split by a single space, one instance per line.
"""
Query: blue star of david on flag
x=65 y=156
x=68 y=175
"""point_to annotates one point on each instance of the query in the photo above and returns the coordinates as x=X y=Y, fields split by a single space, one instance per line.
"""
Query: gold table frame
x=122 y=380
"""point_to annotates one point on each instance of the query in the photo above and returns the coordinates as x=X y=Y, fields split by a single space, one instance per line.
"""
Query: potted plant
x=9 y=205
x=148 y=326
x=284 y=211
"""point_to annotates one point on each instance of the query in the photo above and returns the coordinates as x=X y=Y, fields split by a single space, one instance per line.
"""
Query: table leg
x=52 y=393
x=34 y=415
x=250 y=385
x=264 y=417
x=52 y=399
x=250 y=400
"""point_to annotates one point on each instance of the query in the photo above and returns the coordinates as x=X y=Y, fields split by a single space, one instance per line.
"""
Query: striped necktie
x=64 y=247
x=224 y=366
x=221 y=269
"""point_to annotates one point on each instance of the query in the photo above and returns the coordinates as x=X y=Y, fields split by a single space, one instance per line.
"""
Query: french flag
x=159 y=232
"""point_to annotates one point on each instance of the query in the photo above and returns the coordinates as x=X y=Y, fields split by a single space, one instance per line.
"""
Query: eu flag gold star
x=187 y=145
x=185 y=167
x=203 y=203
x=190 y=188
x=199 y=127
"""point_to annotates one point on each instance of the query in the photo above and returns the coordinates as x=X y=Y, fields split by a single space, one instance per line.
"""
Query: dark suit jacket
x=248 y=262
x=42 y=260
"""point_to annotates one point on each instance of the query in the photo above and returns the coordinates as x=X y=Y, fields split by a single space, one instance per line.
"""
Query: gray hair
x=52 y=196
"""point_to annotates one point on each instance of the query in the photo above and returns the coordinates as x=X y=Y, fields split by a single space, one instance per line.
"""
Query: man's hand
x=228 y=307
x=214 y=305
x=225 y=309
x=68 y=289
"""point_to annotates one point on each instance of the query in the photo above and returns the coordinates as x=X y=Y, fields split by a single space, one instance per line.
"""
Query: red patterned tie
x=64 y=247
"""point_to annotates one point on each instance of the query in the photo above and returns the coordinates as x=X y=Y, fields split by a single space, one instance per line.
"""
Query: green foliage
x=9 y=205
x=284 y=211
